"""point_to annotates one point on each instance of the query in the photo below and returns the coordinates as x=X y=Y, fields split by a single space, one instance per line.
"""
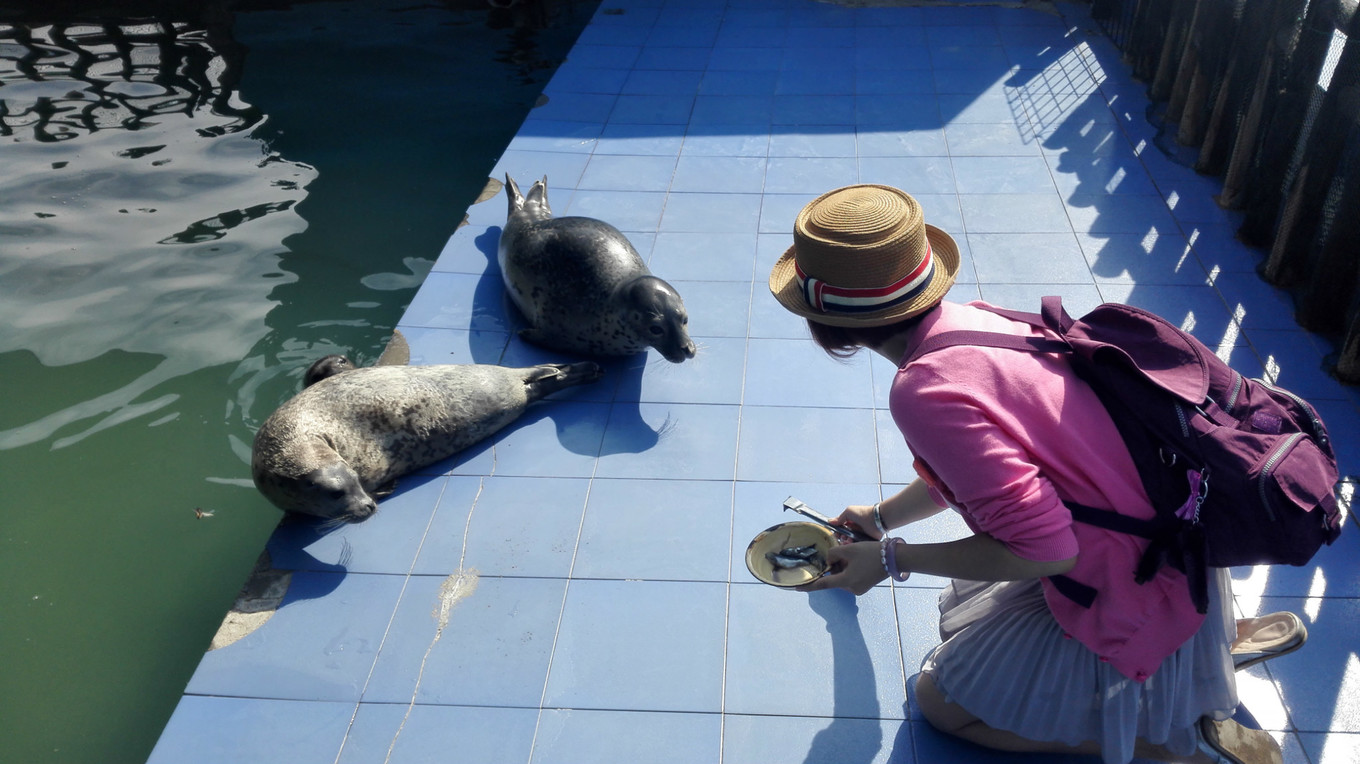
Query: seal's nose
x=364 y=510
x=678 y=355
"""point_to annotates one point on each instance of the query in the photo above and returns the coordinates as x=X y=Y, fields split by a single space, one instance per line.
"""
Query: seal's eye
x=656 y=331
x=337 y=494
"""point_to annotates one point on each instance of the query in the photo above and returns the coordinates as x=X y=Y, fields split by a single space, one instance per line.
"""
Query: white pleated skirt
x=1005 y=660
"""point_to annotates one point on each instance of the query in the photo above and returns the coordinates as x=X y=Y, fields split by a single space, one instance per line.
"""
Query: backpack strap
x=1055 y=316
x=1022 y=316
x=1052 y=315
x=1174 y=544
x=1074 y=590
x=1113 y=521
x=989 y=339
x=1110 y=520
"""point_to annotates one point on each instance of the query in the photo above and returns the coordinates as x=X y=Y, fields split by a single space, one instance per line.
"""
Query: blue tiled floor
x=613 y=619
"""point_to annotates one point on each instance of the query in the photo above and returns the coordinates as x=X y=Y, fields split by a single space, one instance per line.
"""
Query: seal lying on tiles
x=328 y=450
x=582 y=286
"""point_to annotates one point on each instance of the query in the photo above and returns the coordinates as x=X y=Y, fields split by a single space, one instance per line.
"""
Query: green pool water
x=191 y=210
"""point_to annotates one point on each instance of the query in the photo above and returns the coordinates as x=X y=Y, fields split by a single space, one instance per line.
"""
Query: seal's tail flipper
x=538 y=196
x=551 y=377
x=512 y=193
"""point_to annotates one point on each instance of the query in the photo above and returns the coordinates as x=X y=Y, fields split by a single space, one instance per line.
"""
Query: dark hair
x=844 y=341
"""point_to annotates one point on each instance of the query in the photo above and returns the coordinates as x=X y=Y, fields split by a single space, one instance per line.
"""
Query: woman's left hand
x=858 y=517
x=856 y=567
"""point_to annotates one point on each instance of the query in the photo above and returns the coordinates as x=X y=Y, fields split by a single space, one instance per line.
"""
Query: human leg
x=1225 y=742
x=953 y=719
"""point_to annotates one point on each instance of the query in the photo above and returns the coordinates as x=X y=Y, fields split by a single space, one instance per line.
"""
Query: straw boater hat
x=864 y=256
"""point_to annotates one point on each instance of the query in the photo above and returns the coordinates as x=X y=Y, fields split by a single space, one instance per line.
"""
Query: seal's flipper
x=538 y=196
x=397 y=352
x=383 y=491
x=544 y=380
x=513 y=195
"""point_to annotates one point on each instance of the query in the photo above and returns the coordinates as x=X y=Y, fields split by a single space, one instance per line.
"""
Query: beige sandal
x=1266 y=637
x=1228 y=742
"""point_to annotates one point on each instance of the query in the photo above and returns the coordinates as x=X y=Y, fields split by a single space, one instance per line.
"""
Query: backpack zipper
x=1270 y=465
x=1180 y=417
x=1236 y=389
x=1318 y=432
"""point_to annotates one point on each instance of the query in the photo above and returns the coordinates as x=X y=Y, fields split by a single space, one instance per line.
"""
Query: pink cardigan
x=1004 y=436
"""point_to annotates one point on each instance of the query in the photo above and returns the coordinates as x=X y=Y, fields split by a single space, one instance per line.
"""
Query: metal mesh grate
x=1266 y=95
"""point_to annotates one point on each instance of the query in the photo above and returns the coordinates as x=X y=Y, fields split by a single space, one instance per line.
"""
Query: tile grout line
x=447 y=599
x=566 y=587
x=727 y=625
x=892 y=589
x=462 y=556
x=390 y=621
x=732 y=516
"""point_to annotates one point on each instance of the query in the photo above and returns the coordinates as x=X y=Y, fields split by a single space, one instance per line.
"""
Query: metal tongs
x=813 y=515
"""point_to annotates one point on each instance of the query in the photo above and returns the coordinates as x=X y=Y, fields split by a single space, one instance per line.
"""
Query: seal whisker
x=331 y=523
x=346 y=553
x=666 y=427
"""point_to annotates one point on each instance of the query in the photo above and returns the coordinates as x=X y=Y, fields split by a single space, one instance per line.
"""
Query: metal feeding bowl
x=790 y=554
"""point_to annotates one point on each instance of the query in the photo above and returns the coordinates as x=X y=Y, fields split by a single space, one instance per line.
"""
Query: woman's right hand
x=860 y=518
x=856 y=567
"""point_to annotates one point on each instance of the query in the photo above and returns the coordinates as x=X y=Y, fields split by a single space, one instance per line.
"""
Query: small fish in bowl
x=790 y=554
x=793 y=557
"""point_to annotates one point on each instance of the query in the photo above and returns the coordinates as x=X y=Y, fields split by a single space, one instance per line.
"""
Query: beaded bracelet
x=889 y=558
x=878 y=521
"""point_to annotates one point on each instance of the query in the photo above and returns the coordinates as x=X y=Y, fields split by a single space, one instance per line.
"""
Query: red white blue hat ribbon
x=828 y=298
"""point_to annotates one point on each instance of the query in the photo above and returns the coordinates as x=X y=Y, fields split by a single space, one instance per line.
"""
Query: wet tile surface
x=605 y=612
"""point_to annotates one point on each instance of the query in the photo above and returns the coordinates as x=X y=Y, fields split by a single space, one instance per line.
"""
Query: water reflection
x=137 y=212
x=180 y=234
x=71 y=79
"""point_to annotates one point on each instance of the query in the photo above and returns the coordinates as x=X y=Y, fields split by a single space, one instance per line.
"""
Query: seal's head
x=330 y=489
x=326 y=367
x=656 y=316
x=333 y=492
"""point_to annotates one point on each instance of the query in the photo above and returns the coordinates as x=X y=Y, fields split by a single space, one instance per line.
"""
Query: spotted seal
x=582 y=286
x=331 y=448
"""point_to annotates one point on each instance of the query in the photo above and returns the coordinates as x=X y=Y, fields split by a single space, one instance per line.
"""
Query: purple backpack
x=1240 y=472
